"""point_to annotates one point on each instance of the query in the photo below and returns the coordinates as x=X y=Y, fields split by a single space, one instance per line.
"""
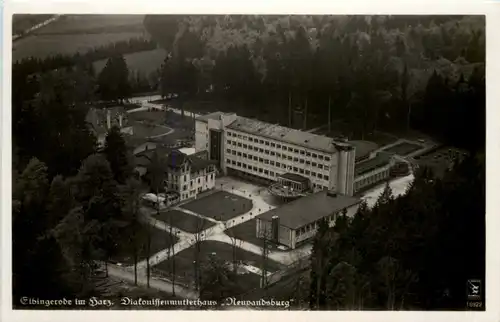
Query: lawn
x=142 y=131
x=245 y=231
x=184 y=266
x=145 y=62
x=183 y=221
x=220 y=205
x=403 y=149
x=41 y=46
x=159 y=240
x=157 y=117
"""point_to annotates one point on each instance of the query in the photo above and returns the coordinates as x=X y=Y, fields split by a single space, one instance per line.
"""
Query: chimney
x=108 y=118
x=120 y=118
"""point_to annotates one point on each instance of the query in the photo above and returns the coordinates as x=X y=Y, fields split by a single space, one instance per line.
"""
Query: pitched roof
x=211 y=116
x=309 y=209
x=285 y=134
x=199 y=163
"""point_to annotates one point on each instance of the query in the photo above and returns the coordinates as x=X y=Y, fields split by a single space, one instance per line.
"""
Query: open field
x=142 y=131
x=220 y=205
x=155 y=116
x=183 y=221
x=144 y=62
x=91 y=23
x=41 y=46
x=184 y=266
x=403 y=149
x=159 y=240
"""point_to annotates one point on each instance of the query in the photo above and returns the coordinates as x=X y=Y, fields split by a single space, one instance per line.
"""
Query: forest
x=71 y=203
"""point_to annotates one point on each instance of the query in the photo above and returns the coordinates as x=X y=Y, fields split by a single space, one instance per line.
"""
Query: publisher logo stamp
x=474 y=290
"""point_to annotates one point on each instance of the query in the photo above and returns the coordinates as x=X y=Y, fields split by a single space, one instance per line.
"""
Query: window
x=283 y=147
x=320 y=157
x=308 y=162
x=327 y=159
x=254 y=168
x=327 y=168
x=301 y=161
x=266 y=161
x=289 y=158
x=273 y=145
x=239 y=136
x=278 y=155
x=267 y=143
x=313 y=174
x=239 y=144
x=239 y=154
x=271 y=163
x=295 y=159
x=308 y=172
x=278 y=146
x=320 y=176
x=229 y=134
x=233 y=152
x=261 y=141
x=295 y=169
x=320 y=166
x=184 y=187
x=244 y=155
x=244 y=146
x=271 y=173
x=184 y=177
x=290 y=149
x=260 y=170
x=314 y=155
x=228 y=141
x=301 y=171
x=245 y=137
x=266 y=152
x=314 y=164
x=261 y=150
x=283 y=166
x=296 y=150
x=239 y=164
x=302 y=152
x=198 y=180
x=255 y=158
x=244 y=165
x=228 y=150
x=266 y=172
x=261 y=160
x=327 y=178
x=250 y=139
x=272 y=153
x=308 y=154
x=278 y=164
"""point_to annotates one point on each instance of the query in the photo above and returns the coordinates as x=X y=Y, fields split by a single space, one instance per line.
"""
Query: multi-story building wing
x=265 y=151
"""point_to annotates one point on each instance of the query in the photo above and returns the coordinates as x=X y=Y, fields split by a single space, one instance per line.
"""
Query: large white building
x=264 y=151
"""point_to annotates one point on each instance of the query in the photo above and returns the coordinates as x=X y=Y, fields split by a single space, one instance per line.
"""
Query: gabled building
x=185 y=175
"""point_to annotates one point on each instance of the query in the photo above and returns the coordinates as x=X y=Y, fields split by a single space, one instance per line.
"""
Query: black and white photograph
x=284 y=162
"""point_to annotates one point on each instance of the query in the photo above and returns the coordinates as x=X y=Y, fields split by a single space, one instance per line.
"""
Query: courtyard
x=184 y=221
x=185 y=265
x=220 y=206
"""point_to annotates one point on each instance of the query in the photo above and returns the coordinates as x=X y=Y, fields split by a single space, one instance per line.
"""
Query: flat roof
x=288 y=135
x=380 y=160
x=309 y=209
x=363 y=148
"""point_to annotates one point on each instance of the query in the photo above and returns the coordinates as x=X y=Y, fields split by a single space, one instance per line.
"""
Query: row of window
x=312 y=226
x=274 y=145
x=278 y=165
x=283 y=156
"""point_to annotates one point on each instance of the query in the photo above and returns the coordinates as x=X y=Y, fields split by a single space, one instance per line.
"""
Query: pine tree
x=116 y=153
